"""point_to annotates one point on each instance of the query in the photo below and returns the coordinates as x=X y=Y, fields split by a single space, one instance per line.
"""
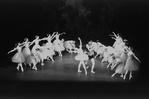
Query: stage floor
x=62 y=69
x=61 y=79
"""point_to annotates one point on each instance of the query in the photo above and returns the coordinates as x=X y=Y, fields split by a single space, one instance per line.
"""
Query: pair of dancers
x=83 y=57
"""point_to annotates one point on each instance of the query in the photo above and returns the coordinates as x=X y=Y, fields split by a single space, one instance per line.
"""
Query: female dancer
x=49 y=48
x=131 y=65
x=121 y=64
x=81 y=57
x=26 y=50
x=119 y=70
x=37 y=50
x=69 y=45
x=18 y=57
x=58 y=44
x=119 y=43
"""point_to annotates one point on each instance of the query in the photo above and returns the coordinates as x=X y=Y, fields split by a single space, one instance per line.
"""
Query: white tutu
x=131 y=64
x=26 y=51
x=58 y=48
x=81 y=57
x=31 y=59
x=123 y=57
x=50 y=53
x=41 y=55
x=18 y=58
x=120 y=69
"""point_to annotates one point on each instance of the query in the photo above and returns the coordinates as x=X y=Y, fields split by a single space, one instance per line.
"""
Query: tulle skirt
x=120 y=69
x=123 y=57
x=50 y=53
x=58 y=48
x=82 y=57
x=41 y=55
x=131 y=64
x=26 y=52
x=18 y=58
x=31 y=59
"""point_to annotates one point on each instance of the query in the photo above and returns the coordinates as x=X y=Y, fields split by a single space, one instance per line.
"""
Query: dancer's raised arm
x=80 y=42
x=136 y=57
x=12 y=50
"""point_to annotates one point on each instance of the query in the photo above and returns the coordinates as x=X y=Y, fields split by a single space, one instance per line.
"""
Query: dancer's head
x=37 y=37
x=26 y=39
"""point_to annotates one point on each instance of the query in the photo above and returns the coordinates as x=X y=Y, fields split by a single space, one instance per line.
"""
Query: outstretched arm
x=31 y=42
x=136 y=57
x=11 y=50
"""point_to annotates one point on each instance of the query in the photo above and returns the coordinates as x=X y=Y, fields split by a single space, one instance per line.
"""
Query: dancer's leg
x=125 y=74
x=84 y=67
x=18 y=67
x=113 y=74
x=93 y=65
x=130 y=75
x=21 y=67
x=42 y=62
x=79 y=67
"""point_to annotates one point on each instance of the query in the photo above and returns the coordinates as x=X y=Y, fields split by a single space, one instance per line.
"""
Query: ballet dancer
x=18 y=57
x=69 y=45
x=26 y=50
x=121 y=65
x=119 y=70
x=131 y=65
x=119 y=43
x=36 y=51
x=81 y=56
x=58 y=44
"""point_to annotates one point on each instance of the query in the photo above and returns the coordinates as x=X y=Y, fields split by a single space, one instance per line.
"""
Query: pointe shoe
x=35 y=68
x=121 y=76
x=85 y=73
x=30 y=65
x=42 y=64
x=87 y=67
x=92 y=72
x=79 y=71
x=17 y=68
x=130 y=77
x=22 y=70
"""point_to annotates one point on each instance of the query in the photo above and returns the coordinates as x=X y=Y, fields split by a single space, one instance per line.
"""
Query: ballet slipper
x=18 y=68
x=121 y=75
x=130 y=76
x=22 y=69
x=92 y=71
x=79 y=71
x=42 y=64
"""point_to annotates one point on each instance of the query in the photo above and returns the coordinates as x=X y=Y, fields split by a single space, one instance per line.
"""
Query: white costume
x=18 y=57
x=81 y=56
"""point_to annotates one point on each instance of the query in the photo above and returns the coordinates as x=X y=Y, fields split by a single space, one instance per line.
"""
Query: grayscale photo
x=73 y=49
